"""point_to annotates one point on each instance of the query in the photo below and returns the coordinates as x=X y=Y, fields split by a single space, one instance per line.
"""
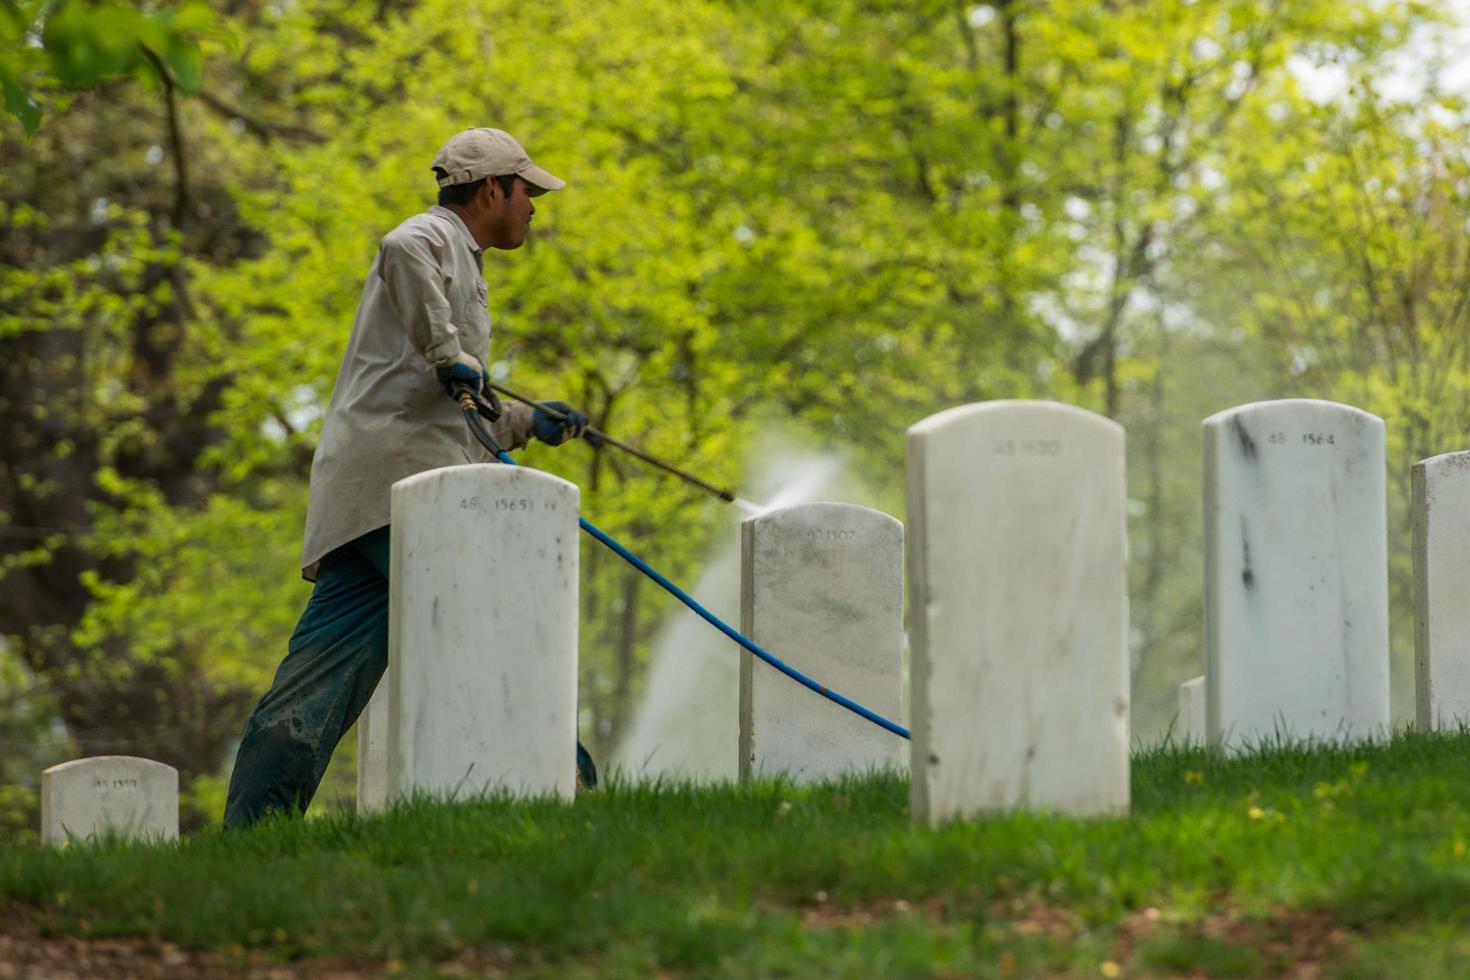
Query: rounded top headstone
x=1294 y=407
x=821 y=510
x=1446 y=462
x=471 y=470
x=124 y=795
x=95 y=761
x=1013 y=407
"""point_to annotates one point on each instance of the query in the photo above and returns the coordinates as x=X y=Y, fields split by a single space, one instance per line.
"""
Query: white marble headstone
x=482 y=627
x=822 y=589
x=1296 y=573
x=1190 y=728
x=372 y=751
x=1018 y=610
x=109 y=795
x=1441 y=519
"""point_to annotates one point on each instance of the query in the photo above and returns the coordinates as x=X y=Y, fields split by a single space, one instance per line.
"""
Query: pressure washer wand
x=559 y=416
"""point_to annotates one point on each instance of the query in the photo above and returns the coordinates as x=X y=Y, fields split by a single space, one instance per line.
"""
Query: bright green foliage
x=1281 y=861
x=83 y=42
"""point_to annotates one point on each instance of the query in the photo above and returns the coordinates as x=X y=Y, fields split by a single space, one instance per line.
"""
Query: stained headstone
x=107 y=796
x=1296 y=573
x=822 y=589
x=1190 y=728
x=372 y=751
x=1019 y=611
x=482 y=627
x=1441 y=519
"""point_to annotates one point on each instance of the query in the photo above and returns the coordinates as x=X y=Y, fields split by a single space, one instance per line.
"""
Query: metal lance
x=599 y=435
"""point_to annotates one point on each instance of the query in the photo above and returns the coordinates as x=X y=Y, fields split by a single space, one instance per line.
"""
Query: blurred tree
x=109 y=384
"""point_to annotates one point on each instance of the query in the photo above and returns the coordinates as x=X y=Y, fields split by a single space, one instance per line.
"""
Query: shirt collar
x=464 y=230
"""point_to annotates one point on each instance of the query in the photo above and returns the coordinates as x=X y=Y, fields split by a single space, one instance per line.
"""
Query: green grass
x=1355 y=860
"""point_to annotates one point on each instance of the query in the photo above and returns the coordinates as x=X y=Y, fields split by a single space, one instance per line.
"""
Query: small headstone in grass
x=482 y=627
x=1019 y=611
x=1296 y=573
x=109 y=796
x=1441 y=519
x=821 y=588
x=372 y=751
x=1190 y=727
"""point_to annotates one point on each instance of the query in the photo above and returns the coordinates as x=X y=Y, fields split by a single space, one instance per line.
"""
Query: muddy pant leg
x=334 y=662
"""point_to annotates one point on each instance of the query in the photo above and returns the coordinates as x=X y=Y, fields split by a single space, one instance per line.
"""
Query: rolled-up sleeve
x=513 y=429
x=412 y=278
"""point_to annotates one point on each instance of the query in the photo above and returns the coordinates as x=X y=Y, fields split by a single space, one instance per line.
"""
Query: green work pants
x=336 y=657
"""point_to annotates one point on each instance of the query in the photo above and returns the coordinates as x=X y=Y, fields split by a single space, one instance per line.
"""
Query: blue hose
x=723 y=627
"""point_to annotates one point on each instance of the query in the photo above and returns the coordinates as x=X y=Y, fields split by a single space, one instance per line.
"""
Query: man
x=422 y=329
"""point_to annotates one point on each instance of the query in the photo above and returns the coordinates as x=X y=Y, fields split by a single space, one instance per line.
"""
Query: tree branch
x=264 y=131
x=176 y=139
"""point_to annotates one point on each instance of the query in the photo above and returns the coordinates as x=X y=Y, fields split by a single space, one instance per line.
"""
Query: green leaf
x=18 y=103
x=183 y=61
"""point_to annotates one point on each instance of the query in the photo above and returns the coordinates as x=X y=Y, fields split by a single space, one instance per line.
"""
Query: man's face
x=511 y=215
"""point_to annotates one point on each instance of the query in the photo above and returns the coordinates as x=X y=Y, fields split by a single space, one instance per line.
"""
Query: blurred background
x=792 y=229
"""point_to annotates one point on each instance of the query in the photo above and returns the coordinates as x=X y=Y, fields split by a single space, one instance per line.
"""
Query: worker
x=422 y=331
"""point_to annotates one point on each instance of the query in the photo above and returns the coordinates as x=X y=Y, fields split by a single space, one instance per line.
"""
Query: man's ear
x=490 y=194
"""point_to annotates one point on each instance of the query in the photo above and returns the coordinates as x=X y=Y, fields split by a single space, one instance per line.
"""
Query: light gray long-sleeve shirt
x=424 y=301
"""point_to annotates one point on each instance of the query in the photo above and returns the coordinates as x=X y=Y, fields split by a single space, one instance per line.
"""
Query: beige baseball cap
x=483 y=152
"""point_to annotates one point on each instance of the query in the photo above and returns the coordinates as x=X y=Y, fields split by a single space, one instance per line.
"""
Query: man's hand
x=461 y=369
x=553 y=431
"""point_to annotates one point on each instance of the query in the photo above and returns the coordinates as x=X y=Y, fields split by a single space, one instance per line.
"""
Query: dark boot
x=586 y=770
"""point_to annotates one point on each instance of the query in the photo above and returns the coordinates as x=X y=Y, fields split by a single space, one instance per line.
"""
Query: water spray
x=599 y=436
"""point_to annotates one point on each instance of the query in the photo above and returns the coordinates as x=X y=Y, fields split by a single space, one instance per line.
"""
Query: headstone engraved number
x=482 y=668
x=1308 y=439
x=1019 y=611
x=1296 y=581
x=116 y=784
x=1028 y=447
x=806 y=597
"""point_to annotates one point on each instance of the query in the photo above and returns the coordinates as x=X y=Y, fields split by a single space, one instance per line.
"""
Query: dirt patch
x=74 y=958
x=1288 y=942
x=26 y=953
x=1019 y=915
x=824 y=915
